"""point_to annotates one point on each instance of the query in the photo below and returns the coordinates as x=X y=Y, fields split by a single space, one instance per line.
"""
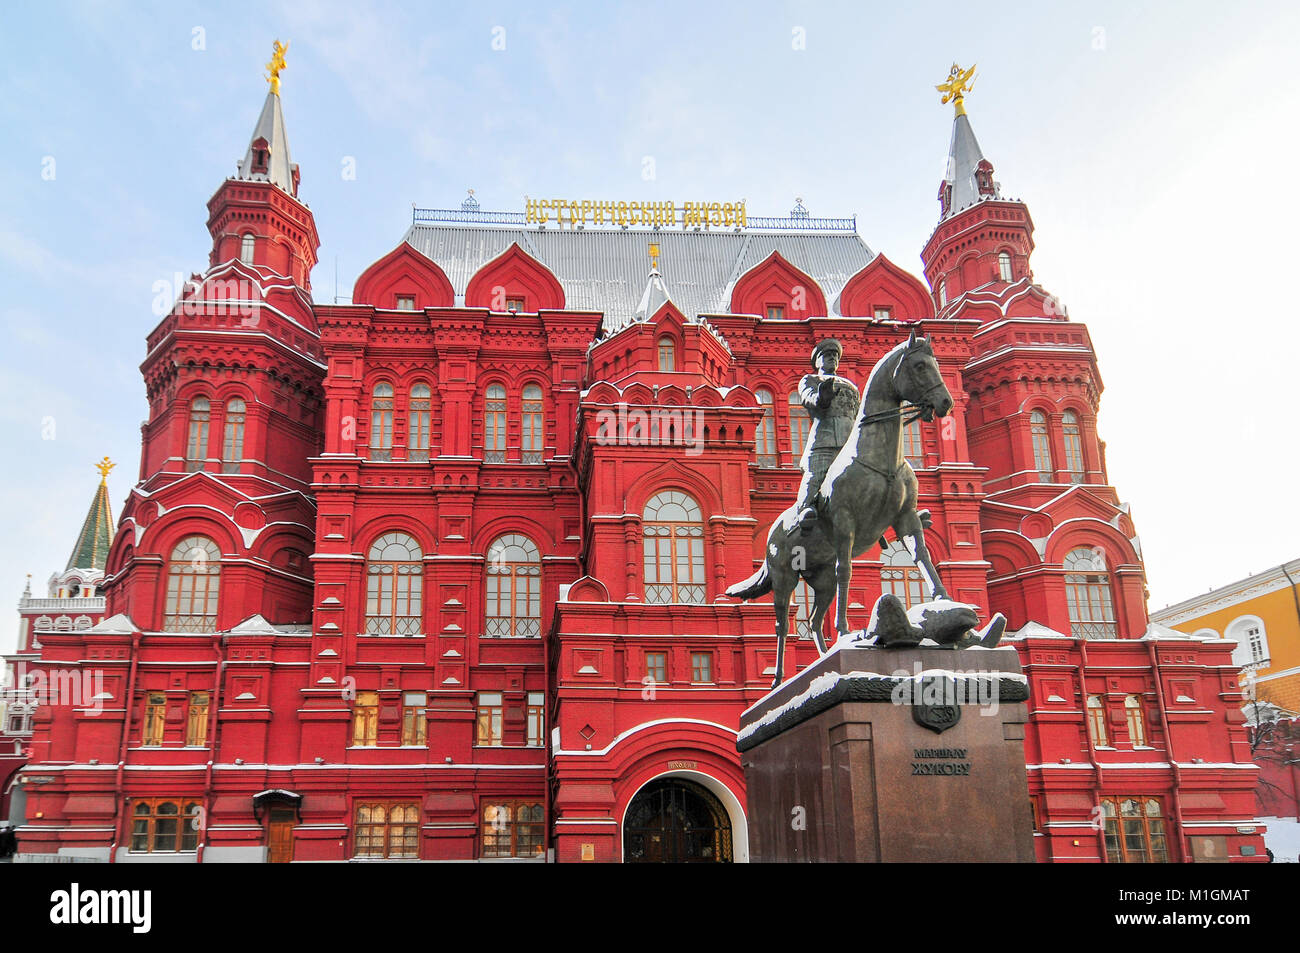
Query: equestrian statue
x=856 y=486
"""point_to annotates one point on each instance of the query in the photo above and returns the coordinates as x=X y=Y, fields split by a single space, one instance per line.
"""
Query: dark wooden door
x=280 y=836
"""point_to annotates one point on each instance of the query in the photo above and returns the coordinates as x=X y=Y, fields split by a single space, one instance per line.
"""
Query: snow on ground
x=1282 y=838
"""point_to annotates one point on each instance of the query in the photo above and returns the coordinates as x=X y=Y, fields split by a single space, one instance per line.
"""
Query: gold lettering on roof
x=574 y=212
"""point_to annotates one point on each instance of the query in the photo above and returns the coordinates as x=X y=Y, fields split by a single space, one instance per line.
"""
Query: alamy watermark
x=626 y=426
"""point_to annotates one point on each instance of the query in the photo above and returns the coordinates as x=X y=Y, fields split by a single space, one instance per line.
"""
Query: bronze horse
x=868 y=489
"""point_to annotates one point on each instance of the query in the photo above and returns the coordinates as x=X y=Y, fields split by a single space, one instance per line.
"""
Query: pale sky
x=1155 y=148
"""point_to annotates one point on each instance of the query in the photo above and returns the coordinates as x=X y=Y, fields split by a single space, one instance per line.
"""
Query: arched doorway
x=672 y=820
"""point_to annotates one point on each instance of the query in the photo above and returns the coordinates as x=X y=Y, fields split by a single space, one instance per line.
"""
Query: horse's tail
x=759 y=584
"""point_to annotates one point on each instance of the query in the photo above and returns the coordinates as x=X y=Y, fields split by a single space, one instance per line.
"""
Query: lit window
x=197 y=447
x=1087 y=594
x=417 y=442
x=387 y=829
x=1073 y=446
x=365 y=720
x=155 y=720
x=513 y=829
x=884 y=314
x=536 y=720
x=394 y=586
x=1137 y=733
x=405 y=302
x=1134 y=830
x=1004 y=266
x=494 y=425
x=775 y=312
x=701 y=667
x=490 y=711
x=899 y=575
x=1042 y=445
x=765 y=434
x=673 y=528
x=246 y=247
x=532 y=420
x=193 y=585
x=381 y=422
x=656 y=667
x=164 y=826
x=514 y=588
x=196 y=720
x=800 y=426
x=232 y=448
x=1097 y=721
x=667 y=355
x=414 y=720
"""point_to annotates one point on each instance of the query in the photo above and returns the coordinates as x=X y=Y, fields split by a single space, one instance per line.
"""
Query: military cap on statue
x=830 y=344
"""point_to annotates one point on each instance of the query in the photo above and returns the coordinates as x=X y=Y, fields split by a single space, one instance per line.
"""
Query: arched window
x=1097 y=721
x=800 y=426
x=1073 y=446
x=943 y=292
x=1252 y=642
x=394 y=586
x=381 y=422
x=1042 y=446
x=1087 y=594
x=417 y=443
x=494 y=425
x=1137 y=733
x=899 y=575
x=667 y=354
x=193 y=585
x=232 y=448
x=514 y=588
x=246 y=246
x=196 y=449
x=1134 y=828
x=1004 y=266
x=913 y=446
x=531 y=411
x=674 y=549
x=765 y=434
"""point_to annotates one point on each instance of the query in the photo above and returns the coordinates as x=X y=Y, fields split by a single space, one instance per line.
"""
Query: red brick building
x=439 y=574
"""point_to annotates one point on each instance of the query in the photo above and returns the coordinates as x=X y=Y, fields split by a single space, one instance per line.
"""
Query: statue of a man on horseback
x=832 y=403
x=864 y=489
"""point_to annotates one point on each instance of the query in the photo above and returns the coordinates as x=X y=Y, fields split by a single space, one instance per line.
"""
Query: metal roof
x=270 y=126
x=605 y=269
x=964 y=156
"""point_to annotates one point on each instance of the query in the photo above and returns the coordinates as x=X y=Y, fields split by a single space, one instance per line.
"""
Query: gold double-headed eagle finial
x=103 y=467
x=276 y=64
x=955 y=89
x=654 y=256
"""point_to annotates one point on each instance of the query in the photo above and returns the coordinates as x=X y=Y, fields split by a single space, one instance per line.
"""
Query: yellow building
x=1261 y=613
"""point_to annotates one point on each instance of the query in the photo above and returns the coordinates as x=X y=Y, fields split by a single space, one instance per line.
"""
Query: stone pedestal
x=891 y=755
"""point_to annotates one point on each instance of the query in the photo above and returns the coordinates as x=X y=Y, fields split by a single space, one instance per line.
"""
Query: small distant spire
x=470 y=204
x=275 y=66
x=954 y=90
x=798 y=211
x=96 y=536
x=27 y=590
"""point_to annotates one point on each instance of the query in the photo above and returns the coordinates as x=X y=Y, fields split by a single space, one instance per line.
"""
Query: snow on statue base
x=891 y=755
